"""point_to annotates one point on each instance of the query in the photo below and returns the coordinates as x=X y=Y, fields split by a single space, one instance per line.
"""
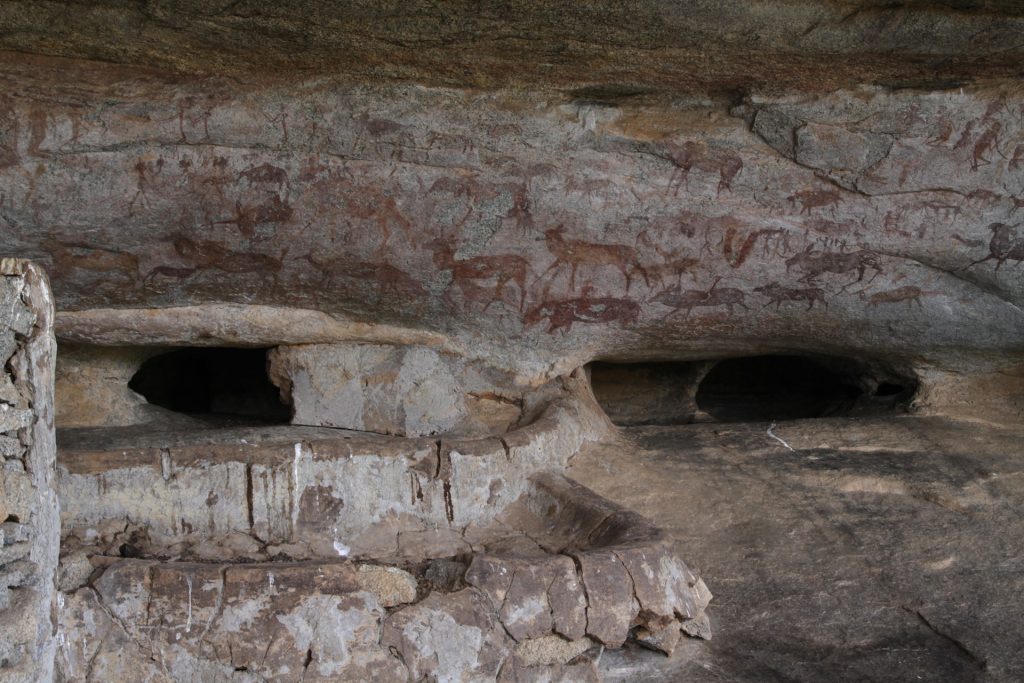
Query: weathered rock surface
x=449 y=638
x=880 y=549
x=437 y=215
x=306 y=492
x=282 y=622
x=529 y=606
x=92 y=388
x=29 y=520
x=402 y=390
x=538 y=231
x=606 y=49
x=390 y=585
x=519 y=617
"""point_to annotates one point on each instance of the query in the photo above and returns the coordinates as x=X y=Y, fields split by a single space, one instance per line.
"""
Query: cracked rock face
x=29 y=522
x=406 y=391
x=535 y=230
x=427 y=222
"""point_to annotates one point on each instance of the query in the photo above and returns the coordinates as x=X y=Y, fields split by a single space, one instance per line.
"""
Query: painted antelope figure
x=910 y=293
x=385 y=277
x=206 y=254
x=673 y=267
x=687 y=300
x=815 y=265
x=562 y=314
x=986 y=142
x=576 y=253
x=71 y=257
x=503 y=269
x=737 y=253
x=691 y=155
x=1004 y=246
x=777 y=294
x=816 y=199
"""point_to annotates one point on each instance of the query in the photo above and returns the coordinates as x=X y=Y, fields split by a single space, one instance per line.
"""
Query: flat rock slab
x=882 y=550
x=407 y=391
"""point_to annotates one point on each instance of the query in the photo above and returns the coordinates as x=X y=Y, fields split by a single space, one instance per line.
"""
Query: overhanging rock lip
x=220 y=324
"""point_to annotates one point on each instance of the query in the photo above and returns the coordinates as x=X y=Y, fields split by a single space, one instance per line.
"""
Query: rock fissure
x=956 y=643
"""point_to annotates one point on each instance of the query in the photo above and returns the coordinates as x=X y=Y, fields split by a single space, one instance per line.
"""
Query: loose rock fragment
x=663 y=640
x=390 y=585
x=549 y=650
x=698 y=627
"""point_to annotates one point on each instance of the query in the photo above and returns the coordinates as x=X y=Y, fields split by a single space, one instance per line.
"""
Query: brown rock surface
x=284 y=622
x=92 y=388
x=603 y=48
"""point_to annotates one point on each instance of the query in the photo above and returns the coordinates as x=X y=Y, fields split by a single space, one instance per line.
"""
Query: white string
x=771 y=434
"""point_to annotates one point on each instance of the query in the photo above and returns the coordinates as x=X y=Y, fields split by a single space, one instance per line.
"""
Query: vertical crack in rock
x=449 y=506
x=307 y=662
x=416 y=488
x=148 y=586
x=583 y=587
x=438 y=449
x=632 y=581
x=91 y=664
x=547 y=599
x=957 y=644
x=188 y=617
x=147 y=645
x=497 y=611
x=295 y=484
x=266 y=650
x=249 y=512
x=445 y=473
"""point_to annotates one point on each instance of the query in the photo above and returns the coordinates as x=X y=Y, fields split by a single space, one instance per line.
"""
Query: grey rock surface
x=29 y=517
x=402 y=390
x=439 y=214
x=534 y=230
x=879 y=549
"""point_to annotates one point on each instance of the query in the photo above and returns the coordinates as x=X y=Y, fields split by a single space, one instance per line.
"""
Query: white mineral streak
x=296 y=486
x=188 y=621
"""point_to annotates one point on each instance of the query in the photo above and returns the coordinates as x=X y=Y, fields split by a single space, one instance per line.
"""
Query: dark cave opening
x=748 y=389
x=646 y=393
x=212 y=381
x=776 y=388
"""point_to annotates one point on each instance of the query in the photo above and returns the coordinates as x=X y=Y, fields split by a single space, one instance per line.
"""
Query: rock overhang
x=602 y=50
x=528 y=188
